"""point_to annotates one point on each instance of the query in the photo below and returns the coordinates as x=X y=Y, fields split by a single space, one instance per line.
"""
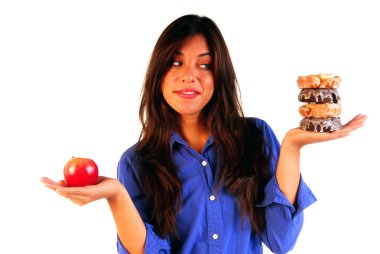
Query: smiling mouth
x=187 y=93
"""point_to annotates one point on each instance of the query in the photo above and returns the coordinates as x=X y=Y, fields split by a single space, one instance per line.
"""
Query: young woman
x=203 y=178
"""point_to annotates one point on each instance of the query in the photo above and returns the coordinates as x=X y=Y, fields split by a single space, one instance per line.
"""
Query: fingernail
x=59 y=191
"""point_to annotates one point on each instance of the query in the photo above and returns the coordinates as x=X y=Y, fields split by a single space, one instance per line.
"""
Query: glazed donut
x=318 y=81
x=323 y=110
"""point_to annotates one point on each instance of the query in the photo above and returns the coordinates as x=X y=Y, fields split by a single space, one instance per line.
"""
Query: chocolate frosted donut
x=319 y=124
x=319 y=95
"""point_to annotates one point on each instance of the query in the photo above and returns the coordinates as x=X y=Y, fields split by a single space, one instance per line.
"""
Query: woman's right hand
x=106 y=187
x=130 y=227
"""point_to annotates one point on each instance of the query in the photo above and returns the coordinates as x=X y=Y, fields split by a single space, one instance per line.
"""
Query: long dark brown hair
x=240 y=145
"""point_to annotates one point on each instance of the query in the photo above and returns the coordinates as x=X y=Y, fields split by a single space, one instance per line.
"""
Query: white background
x=70 y=81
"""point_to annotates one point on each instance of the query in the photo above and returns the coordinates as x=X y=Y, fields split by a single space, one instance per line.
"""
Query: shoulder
x=129 y=170
x=259 y=123
x=128 y=162
x=265 y=130
x=129 y=154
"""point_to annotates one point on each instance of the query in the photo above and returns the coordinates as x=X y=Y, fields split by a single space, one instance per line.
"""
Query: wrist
x=118 y=191
x=289 y=143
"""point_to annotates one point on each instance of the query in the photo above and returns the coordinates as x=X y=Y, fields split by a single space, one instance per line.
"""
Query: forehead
x=197 y=43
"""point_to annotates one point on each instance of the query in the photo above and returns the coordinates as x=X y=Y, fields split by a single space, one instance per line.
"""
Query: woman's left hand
x=299 y=138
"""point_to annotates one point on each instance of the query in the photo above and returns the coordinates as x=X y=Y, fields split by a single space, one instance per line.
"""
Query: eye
x=206 y=66
x=176 y=62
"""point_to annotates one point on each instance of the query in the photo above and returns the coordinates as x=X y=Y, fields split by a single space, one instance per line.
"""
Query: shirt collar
x=176 y=138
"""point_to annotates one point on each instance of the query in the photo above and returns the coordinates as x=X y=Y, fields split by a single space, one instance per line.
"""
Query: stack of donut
x=322 y=109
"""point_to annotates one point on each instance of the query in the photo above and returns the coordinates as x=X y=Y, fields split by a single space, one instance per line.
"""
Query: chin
x=188 y=113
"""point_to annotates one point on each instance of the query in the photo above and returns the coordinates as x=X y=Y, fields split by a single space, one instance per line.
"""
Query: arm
x=288 y=167
x=128 y=203
x=130 y=227
x=288 y=170
x=286 y=194
x=129 y=179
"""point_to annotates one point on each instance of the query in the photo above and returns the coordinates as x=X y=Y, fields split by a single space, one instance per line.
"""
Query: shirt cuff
x=120 y=247
x=153 y=243
x=272 y=194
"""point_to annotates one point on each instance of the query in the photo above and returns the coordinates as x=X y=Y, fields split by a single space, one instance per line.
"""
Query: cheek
x=209 y=85
x=166 y=89
x=210 y=93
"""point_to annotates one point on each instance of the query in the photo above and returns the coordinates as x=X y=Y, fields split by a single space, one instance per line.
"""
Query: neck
x=194 y=133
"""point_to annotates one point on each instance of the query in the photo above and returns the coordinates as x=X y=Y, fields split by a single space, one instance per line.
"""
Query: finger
x=74 y=191
x=356 y=117
x=337 y=135
x=46 y=180
x=316 y=137
x=51 y=184
x=346 y=130
x=352 y=126
x=68 y=191
x=61 y=191
x=62 y=183
x=80 y=200
x=359 y=118
x=76 y=199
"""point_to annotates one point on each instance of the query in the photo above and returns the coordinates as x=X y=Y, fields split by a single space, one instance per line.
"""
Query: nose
x=188 y=79
x=188 y=75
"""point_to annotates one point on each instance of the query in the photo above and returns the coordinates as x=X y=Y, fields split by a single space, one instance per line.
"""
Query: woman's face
x=189 y=84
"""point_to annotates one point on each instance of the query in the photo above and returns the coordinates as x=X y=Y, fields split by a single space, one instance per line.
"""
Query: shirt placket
x=214 y=217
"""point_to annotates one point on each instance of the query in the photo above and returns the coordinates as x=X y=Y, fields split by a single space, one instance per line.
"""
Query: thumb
x=62 y=183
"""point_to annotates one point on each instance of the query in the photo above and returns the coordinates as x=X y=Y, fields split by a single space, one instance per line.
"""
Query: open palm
x=301 y=137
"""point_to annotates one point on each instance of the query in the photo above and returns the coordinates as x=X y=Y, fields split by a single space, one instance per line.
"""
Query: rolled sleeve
x=273 y=195
x=153 y=244
x=283 y=220
x=120 y=247
x=128 y=175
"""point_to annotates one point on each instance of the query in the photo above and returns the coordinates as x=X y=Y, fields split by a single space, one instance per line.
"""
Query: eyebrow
x=178 y=52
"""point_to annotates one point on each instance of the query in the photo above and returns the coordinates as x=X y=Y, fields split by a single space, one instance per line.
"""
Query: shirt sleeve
x=283 y=220
x=128 y=175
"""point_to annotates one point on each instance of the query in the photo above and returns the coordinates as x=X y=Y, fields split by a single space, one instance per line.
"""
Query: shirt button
x=204 y=163
x=215 y=236
x=212 y=197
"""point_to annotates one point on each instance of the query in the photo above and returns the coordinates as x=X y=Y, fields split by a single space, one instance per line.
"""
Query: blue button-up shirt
x=210 y=222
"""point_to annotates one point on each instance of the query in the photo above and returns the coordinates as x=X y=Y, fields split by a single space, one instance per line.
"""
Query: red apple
x=79 y=172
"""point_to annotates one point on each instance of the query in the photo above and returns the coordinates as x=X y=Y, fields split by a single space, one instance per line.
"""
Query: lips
x=187 y=93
